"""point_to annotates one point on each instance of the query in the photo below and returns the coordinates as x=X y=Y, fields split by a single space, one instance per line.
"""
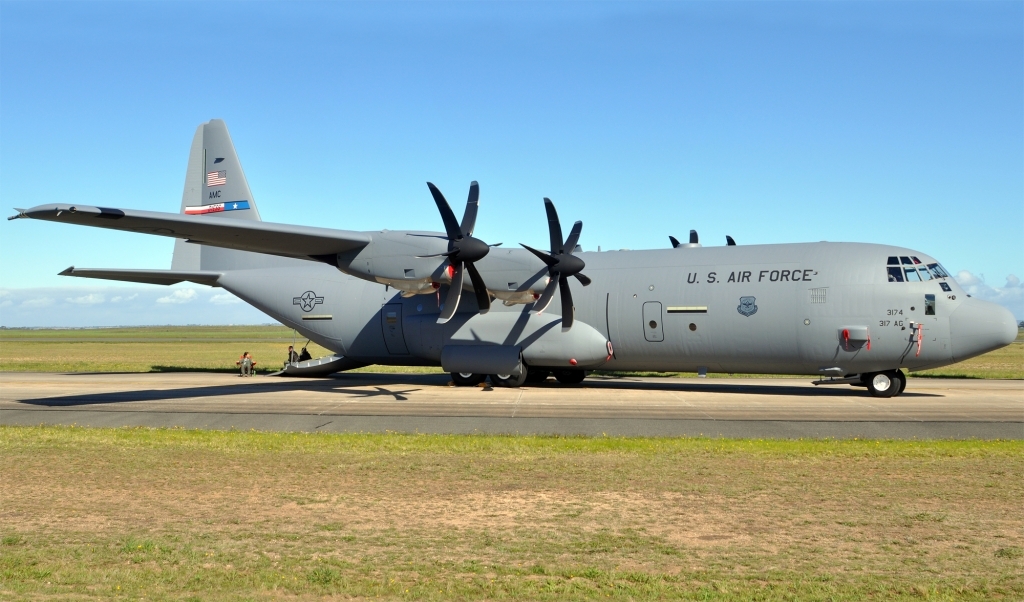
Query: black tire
x=537 y=376
x=903 y=381
x=466 y=379
x=882 y=384
x=570 y=377
x=508 y=380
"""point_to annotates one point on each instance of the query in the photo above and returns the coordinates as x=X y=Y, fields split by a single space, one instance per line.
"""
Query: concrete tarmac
x=362 y=402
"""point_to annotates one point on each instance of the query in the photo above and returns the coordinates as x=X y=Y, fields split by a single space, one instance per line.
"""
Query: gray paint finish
x=374 y=297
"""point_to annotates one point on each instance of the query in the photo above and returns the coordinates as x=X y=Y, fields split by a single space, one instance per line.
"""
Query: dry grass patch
x=89 y=513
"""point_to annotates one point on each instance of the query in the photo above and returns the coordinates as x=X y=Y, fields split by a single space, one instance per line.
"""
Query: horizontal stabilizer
x=165 y=277
x=301 y=242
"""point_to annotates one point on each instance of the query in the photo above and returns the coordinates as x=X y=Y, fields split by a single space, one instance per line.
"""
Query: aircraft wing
x=164 y=277
x=302 y=242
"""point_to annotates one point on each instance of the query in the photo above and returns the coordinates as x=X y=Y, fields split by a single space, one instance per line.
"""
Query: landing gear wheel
x=467 y=379
x=902 y=379
x=882 y=384
x=570 y=377
x=536 y=376
x=508 y=380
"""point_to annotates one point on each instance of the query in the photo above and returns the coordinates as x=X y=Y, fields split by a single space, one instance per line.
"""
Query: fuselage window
x=895 y=274
x=893 y=260
x=916 y=260
x=929 y=305
x=925 y=274
x=912 y=275
x=906 y=260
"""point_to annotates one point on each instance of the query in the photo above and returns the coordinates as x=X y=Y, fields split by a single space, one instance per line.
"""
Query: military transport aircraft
x=848 y=313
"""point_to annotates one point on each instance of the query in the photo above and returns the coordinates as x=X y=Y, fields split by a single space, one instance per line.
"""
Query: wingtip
x=20 y=214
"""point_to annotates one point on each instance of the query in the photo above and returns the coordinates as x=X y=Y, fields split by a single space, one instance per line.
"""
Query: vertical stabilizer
x=215 y=188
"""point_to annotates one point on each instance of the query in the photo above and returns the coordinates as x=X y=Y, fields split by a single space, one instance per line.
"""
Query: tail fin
x=215 y=187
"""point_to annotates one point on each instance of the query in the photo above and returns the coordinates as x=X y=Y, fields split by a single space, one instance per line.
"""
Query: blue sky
x=899 y=123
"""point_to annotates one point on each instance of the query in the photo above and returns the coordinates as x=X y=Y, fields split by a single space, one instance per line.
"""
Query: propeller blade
x=448 y=254
x=451 y=302
x=674 y=241
x=583 y=279
x=545 y=257
x=483 y=299
x=574 y=236
x=729 y=241
x=497 y=244
x=451 y=226
x=693 y=237
x=472 y=205
x=554 y=226
x=568 y=311
x=545 y=299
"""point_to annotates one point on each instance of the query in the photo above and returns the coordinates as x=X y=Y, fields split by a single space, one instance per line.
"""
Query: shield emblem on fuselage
x=746 y=306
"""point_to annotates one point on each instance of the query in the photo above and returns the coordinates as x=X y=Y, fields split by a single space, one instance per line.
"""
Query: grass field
x=216 y=348
x=198 y=515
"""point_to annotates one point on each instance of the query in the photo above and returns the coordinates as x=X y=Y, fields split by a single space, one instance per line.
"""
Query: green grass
x=216 y=348
x=174 y=514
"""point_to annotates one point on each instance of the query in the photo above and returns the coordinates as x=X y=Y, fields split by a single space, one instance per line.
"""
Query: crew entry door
x=653 y=330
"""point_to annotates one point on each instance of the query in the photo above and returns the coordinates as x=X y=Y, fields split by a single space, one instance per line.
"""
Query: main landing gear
x=885 y=384
x=531 y=376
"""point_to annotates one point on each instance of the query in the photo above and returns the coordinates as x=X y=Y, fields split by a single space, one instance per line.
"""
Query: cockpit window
x=937 y=270
x=912 y=269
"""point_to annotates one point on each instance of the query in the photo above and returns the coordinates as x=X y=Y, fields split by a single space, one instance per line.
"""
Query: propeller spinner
x=561 y=264
x=463 y=250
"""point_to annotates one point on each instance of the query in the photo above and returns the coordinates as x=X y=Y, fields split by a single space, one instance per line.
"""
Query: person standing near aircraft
x=293 y=357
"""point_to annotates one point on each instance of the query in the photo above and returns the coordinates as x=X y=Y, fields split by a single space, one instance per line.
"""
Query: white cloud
x=90 y=299
x=182 y=295
x=120 y=298
x=1010 y=295
x=37 y=302
x=6 y=303
x=224 y=299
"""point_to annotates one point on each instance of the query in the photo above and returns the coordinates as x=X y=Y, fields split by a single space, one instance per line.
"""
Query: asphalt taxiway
x=362 y=402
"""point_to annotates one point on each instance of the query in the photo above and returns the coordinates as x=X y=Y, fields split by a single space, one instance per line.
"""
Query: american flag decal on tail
x=217 y=178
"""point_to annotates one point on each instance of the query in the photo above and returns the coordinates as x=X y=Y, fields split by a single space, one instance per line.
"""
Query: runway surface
x=770 y=408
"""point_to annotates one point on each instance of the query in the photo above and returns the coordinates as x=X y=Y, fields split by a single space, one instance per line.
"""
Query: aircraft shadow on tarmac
x=369 y=385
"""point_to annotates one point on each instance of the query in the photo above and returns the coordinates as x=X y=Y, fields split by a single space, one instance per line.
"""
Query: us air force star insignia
x=307 y=301
x=746 y=306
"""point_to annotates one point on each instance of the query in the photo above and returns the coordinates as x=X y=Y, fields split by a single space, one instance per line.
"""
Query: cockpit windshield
x=906 y=268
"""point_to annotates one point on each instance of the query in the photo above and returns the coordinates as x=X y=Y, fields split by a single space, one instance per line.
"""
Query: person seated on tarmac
x=293 y=357
x=246 y=364
x=304 y=355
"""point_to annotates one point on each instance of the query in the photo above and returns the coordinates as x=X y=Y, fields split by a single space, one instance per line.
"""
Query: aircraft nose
x=977 y=327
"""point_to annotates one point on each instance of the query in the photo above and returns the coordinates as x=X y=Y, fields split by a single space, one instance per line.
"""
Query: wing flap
x=303 y=242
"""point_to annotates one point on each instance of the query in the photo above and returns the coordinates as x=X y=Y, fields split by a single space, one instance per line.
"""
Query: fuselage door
x=653 y=331
x=391 y=323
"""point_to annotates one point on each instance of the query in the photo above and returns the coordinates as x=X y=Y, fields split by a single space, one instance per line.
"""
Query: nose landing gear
x=885 y=384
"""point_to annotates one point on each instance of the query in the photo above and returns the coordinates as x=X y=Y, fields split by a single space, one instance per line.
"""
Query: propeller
x=729 y=241
x=693 y=237
x=463 y=250
x=674 y=241
x=561 y=264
